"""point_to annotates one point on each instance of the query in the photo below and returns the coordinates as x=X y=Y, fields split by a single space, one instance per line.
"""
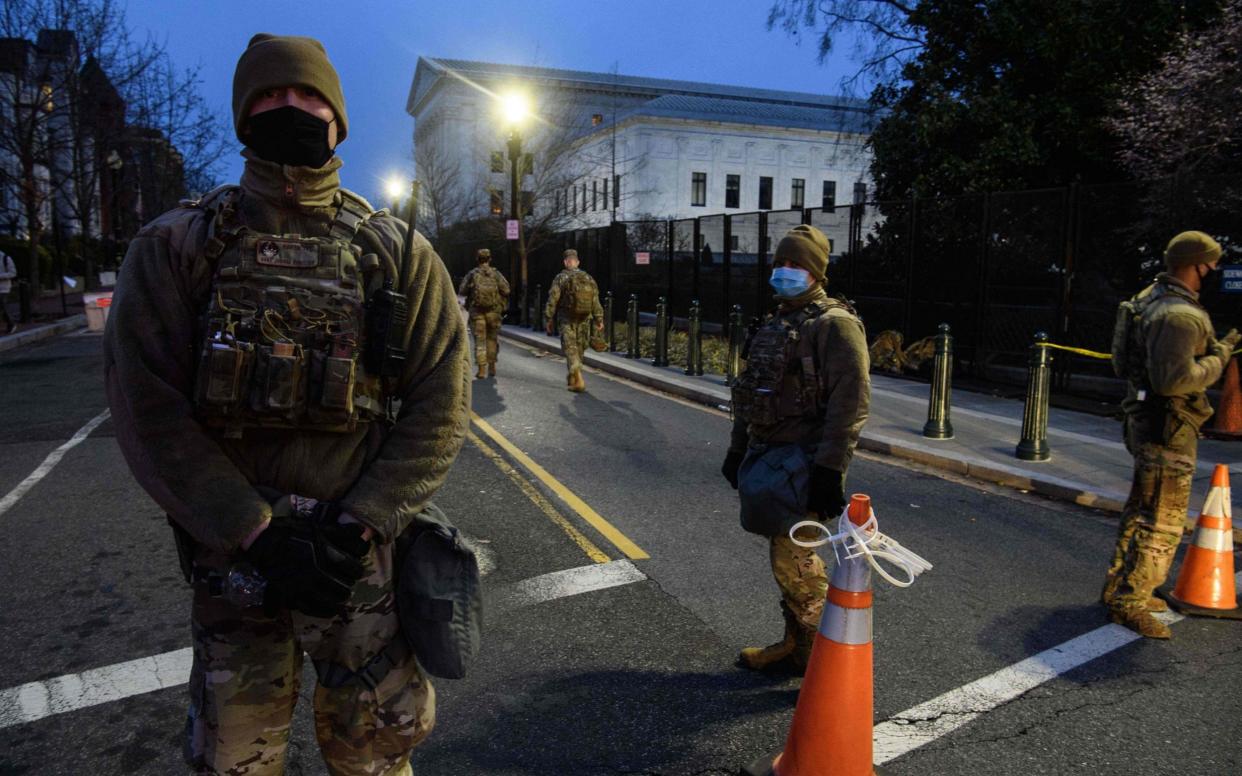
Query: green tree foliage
x=996 y=94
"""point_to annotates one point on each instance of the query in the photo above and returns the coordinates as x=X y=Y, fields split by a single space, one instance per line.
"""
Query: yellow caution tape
x=1079 y=351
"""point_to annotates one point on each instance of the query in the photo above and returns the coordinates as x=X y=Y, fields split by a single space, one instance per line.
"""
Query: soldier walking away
x=254 y=400
x=1165 y=347
x=573 y=308
x=799 y=406
x=8 y=271
x=487 y=295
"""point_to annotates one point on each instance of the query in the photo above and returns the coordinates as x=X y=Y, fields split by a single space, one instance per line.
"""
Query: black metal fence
x=997 y=267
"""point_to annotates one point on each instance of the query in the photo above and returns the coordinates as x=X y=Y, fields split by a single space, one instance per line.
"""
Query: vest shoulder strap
x=352 y=213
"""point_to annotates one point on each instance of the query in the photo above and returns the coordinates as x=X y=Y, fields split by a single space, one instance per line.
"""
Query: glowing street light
x=515 y=109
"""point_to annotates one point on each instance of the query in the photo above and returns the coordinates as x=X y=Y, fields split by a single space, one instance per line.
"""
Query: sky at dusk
x=376 y=45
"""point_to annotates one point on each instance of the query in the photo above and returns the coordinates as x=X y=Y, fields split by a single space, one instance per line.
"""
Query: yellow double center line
x=593 y=518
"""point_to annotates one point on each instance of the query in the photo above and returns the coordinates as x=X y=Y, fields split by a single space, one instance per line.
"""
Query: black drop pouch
x=439 y=596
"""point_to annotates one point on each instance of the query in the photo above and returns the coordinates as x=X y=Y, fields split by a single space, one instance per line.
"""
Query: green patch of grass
x=715 y=349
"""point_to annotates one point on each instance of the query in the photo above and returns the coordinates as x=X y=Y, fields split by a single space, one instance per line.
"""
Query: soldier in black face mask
x=248 y=404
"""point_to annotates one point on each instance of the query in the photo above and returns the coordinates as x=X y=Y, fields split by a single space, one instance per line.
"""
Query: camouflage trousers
x=800 y=574
x=247 y=669
x=575 y=340
x=1154 y=515
x=485 y=327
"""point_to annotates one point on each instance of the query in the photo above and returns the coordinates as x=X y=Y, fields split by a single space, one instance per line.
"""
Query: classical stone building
x=605 y=146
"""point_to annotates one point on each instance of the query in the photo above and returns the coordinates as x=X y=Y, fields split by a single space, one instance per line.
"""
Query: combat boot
x=575 y=382
x=491 y=369
x=790 y=654
x=1141 y=622
x=481 y=373
x=1113 y=581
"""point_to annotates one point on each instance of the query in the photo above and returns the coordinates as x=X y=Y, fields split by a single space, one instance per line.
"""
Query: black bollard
x=694 y=345
x=735 y=331
x=661 y=333
x=1034 y=443
x=633 y=346
x=524 y=308
x=536 y=311
x=610 y=326
x=938 y=425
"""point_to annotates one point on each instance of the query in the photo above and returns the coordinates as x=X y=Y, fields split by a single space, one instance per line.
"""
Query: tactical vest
x=1129 y=344
x=284 y=329
x=771 y=357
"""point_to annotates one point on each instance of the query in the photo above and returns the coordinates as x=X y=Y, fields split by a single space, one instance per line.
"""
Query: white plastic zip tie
x=851 y=541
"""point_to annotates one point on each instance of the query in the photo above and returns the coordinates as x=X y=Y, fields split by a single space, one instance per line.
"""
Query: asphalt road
x=635 y=678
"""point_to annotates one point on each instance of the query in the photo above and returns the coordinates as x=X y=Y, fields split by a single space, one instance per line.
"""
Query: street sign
x=642 y=257
x=1231 y=279
x=511 y=229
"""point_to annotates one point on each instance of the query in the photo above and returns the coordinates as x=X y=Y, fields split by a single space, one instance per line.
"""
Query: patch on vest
x=285 y=253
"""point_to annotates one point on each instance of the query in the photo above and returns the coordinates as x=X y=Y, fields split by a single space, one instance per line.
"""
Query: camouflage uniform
x=836 y=341
x=214 y=482
x=484 y=321
x=575 y=333
x=1164 y=410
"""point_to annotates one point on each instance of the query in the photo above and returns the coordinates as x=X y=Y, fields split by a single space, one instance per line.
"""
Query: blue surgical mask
x=789 y=282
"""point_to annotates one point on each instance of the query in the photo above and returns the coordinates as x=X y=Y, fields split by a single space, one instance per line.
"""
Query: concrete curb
x=711 y=391
x=12 y=341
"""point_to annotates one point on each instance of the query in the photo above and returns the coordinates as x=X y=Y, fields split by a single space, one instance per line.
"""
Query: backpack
x=578 y=296
x=485 y=290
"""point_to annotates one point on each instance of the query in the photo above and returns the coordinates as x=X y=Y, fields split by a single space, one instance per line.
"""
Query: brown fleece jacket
x=207 y=483
x=837 y=342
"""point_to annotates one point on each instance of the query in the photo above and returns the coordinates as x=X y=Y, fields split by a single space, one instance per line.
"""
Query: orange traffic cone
x=1206 y=585
x=832 y=724
x=1227 y=424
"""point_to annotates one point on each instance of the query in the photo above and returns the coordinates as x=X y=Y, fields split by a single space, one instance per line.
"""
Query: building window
x=860 y=193
x=733 y=191
x=605 y=193
x=765 y=193
x=498 y=206
x=797 y=193
x=733 y=242
x=575 y=208
x=594 y=194
x=584 y=201
x=616 y=191
x=498 y=161
x=528 y=164
x=830 y=195
x=698 y=189
x=528 y=202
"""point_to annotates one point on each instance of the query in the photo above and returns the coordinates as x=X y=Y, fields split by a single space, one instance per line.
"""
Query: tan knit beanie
x=1191 y=248
x=807 y=247
x=271 y=61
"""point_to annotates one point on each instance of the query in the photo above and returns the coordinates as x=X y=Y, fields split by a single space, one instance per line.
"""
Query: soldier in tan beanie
x=801 y=402
x=253 y=384
x=1166 y=349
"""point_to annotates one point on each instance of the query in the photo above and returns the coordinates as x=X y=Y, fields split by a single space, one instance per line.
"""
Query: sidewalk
x=1089 y=463
x=33 y=332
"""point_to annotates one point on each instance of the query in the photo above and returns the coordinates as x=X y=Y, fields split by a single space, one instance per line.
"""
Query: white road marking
x=910 y=729
x=36 y=700
x=50 y=462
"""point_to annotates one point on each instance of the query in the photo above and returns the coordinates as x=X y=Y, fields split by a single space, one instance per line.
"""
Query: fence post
x=1034 y=443
x=661 y=333
x=525 y=307
x=633 y=346
x=734 y=332
x=694 y=344
x=610 y=326
x=536 y=313
x=938 y=425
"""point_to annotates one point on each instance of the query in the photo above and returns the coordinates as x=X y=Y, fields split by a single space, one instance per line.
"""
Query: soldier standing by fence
x=573 y=307
x=1165 y=347
x=486 y=294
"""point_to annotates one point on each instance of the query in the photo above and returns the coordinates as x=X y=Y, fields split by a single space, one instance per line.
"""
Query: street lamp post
x=516 y=109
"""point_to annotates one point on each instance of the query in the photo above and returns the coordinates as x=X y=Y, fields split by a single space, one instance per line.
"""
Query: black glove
x=732 y=462
x=309 y=564
x=827 y=497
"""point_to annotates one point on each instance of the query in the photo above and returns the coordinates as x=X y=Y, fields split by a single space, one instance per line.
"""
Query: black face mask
x=289 y=135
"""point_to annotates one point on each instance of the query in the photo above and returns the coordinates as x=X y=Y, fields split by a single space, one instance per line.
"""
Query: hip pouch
x=439 y=598
x=774 y=484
